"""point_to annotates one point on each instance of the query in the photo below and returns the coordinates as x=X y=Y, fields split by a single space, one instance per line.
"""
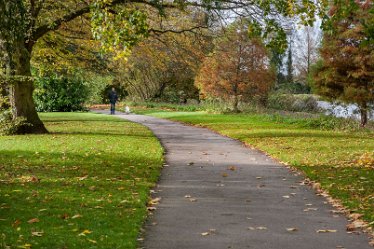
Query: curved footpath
x=216 y=194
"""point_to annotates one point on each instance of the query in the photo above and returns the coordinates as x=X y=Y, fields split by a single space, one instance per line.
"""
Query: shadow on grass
x=110 y=134
x=16 y=163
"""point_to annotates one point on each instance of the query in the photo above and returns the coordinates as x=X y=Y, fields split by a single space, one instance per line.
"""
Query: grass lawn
x=84 y=185
x=342 y=161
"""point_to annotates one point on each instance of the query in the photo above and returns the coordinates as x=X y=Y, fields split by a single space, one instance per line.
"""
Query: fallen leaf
x=25 y=246
x=193 y=200
x=326 y=231
x=190 y=163
x=37 y=234
x=154 y=201
x=76 y=216
x=34 y=220
x=64 y=216
x=286 y=196
x=92 y=241
x=251 y=228
x=224 y=174
x=205 y=234
x=310 y=209
x=151 y=208
x=86 y=231
x=357 y=224
x=16 y=223
x=82 y=178
x=232 y=168
x=355 y=216
x=187 y=196
x=261 y=228
x=291 y=229
x=258 y=177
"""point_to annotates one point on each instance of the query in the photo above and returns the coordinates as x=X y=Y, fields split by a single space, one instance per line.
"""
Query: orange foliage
x=238 y=69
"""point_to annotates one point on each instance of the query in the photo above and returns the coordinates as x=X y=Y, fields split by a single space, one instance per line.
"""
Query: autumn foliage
x=346 y=71
x=238 y=69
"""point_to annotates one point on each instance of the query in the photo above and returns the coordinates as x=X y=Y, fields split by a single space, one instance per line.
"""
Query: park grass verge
x=84 y=185
x=342 y=161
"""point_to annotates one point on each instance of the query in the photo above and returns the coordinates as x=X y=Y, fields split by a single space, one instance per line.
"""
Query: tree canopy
x=346 y=71
x=119 y=25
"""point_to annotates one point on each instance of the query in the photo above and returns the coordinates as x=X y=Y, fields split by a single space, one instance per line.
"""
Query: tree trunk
x=236 y=104
x=21 y=90
x=364 y=114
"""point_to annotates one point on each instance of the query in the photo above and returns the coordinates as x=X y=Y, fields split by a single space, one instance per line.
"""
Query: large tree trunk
x=21 y=90
x=364 y=114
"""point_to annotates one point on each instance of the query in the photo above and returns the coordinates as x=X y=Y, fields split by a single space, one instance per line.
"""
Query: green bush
x=60 y=93
x=10 y=126
x=293 y=102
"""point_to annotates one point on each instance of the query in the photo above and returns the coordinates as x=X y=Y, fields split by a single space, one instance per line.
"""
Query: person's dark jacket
x=113 y=97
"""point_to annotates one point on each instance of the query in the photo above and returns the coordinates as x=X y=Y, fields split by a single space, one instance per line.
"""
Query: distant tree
x=277 y=63
x=307 y=43
x=346 y=71
x=289 y=76
x=239 y=67
x=117 y=24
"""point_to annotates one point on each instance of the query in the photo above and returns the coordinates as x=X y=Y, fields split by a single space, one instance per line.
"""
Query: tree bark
x=21 y=90
x=236 y=104
x=364 y=114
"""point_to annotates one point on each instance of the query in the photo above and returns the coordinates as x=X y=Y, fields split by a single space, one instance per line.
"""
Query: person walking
x=113 y=97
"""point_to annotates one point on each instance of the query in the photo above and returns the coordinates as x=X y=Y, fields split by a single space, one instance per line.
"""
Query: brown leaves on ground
x=326 y=231
x=34 y=220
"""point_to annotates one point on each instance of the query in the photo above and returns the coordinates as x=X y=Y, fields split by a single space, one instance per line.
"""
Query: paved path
x=237 y=196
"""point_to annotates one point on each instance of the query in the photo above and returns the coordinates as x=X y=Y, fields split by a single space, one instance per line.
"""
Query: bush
x=60 y=93
x=293 y=102
x=10 y=126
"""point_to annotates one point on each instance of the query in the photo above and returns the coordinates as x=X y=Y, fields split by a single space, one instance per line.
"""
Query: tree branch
x=157 y=31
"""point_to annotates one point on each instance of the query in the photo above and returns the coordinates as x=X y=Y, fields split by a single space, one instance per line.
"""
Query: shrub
x=60 y=93
x=293 y=102
x=10 y=126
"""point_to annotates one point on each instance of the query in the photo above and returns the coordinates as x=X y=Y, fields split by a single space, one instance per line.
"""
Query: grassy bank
x=342 y=161
x=84 y=185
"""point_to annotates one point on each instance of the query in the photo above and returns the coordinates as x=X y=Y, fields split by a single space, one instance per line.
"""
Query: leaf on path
x=151 y=208
x=286 y=196
x=261 y=228
x=193 y=200
x=258 y=177
x=291 y=229
x=326 y=231
x=310 y=209
x=190 y=163
x=211 y=231
x=232 y=168
x=187 y=196
x=355 y=216
x=357 y=224
x=154 y=201
x=34 y=220
x=224 y=174
x=257 y=228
